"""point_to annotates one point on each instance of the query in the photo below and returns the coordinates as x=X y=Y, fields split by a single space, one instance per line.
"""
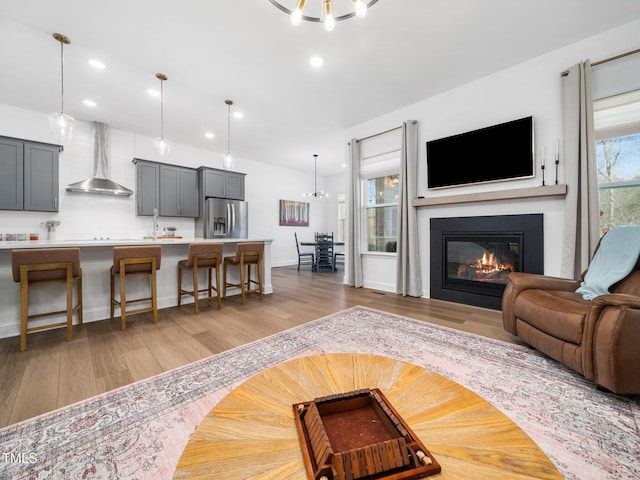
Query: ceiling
x=248 y=51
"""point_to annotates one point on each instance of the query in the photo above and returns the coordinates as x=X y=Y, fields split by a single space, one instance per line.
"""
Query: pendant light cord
x=229 y=103
x=315 y=175
x=62 y=77
x=162 y=109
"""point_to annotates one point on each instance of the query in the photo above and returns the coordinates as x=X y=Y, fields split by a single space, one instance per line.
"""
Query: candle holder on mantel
x=542 y=168
x=557 y=163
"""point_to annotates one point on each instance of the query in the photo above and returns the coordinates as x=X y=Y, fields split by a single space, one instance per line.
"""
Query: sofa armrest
x=618 y=300
x=610 y=342
x=524 y=281
x=517 y=282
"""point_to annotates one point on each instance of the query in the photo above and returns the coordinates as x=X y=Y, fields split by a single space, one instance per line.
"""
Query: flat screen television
x=491 y=154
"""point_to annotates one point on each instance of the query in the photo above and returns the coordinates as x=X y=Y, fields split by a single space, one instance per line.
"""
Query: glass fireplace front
x=472 y=257
x=481 y=263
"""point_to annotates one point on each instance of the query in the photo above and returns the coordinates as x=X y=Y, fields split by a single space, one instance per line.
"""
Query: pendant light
x=60 y=123
x=163 y=146
x=316 y=193
x=227 y=160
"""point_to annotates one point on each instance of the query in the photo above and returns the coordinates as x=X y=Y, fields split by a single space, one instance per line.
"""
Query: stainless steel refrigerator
x=224 y=218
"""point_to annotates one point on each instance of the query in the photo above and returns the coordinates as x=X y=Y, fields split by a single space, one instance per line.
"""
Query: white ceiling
x=248 y=51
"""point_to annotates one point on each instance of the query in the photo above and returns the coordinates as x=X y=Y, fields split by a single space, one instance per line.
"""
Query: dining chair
x=324 y=251
x=304 y=258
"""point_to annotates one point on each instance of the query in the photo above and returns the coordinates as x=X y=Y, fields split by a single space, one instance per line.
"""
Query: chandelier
x=327 y=16
x=316 y=193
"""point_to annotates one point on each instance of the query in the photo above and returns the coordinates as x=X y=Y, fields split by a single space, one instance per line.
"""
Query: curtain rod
x=378 y=134
x=616 y=57
x=382 y=133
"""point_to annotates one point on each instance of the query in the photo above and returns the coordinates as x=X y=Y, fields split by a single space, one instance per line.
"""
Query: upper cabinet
x=147 y=186
x=171 y=189
x=178 y=191
x=221 y=183
x=29 y=178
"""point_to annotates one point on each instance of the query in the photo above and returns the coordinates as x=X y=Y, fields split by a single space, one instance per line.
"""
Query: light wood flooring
x=53 y=373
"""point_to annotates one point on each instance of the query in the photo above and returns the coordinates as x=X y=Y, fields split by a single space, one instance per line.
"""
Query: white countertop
x=111 y=242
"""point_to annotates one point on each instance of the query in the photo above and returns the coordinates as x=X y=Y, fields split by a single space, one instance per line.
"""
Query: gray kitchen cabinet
x=12 y=174
x=222 y=184
x=178 y=191
x=29 y=175
x=147 y=186
x=41 y=185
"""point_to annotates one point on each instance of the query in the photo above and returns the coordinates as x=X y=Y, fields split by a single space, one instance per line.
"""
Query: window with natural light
x=382 y=213
x=617 y=126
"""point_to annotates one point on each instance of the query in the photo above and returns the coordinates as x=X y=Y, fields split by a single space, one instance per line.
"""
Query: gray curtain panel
x=353 y=260
x=582 y=209
x=408 y=276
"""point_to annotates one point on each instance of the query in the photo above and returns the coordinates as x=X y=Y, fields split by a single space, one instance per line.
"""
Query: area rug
x=139 y=431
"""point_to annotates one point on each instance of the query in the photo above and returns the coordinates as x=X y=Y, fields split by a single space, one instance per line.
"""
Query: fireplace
x=471 y=257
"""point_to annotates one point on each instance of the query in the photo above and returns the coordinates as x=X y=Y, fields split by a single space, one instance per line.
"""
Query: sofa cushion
x=558 y=313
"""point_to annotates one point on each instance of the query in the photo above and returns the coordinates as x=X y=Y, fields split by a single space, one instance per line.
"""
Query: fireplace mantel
x=532 y=192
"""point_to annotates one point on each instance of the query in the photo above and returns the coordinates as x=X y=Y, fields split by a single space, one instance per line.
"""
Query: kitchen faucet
x=155 y=224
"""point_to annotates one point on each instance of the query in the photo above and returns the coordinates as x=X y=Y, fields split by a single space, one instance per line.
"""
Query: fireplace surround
x=471 y=257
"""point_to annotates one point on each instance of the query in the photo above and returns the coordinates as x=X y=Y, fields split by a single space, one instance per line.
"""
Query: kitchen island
x=96 y=258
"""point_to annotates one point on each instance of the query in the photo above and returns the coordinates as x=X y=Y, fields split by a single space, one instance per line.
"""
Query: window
x=380 y=186
x=382 y=213
x=617 y=125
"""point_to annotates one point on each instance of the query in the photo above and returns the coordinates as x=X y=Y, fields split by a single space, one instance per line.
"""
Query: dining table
x=315 y=245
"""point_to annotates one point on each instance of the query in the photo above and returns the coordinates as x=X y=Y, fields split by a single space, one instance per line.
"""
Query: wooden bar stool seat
x=202 y=256
x=247 y=254
x=129 y=261
x=41 y=266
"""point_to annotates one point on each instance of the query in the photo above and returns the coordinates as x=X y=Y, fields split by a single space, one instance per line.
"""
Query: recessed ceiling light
x=153 y=92
x=89 y=103
x=316 y=61
x=237 y=114
x=209 y=135
x=97 y=64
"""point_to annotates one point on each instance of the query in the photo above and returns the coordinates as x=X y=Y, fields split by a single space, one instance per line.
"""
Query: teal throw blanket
x=618 y=253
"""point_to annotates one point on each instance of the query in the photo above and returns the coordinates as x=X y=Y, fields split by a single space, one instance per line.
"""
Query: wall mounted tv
x=491 y=154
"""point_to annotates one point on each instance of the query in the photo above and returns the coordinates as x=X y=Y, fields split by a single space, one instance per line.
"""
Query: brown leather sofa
x=600 y=339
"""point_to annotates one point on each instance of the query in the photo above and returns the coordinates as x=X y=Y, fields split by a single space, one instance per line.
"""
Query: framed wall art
x=294 y=214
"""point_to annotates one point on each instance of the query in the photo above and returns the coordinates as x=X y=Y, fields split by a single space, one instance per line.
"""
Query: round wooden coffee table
x=252 y=434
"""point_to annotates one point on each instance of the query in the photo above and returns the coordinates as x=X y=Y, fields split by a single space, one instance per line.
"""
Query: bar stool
x=129 y=261
x=247 y=254
x=41 y=266
x=201 y=256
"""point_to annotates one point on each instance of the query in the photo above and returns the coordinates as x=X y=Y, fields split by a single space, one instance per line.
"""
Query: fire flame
x=488 y=264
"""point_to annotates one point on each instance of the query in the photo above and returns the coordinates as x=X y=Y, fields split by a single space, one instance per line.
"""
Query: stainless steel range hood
x=100 y=182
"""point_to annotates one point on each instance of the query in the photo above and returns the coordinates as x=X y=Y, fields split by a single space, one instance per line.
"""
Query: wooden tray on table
x=359 y=435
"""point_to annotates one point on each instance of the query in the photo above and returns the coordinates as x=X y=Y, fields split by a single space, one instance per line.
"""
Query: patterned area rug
x=139 y=431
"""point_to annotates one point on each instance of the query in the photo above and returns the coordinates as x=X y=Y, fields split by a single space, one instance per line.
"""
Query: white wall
x=85 y=216
x=530 y=88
